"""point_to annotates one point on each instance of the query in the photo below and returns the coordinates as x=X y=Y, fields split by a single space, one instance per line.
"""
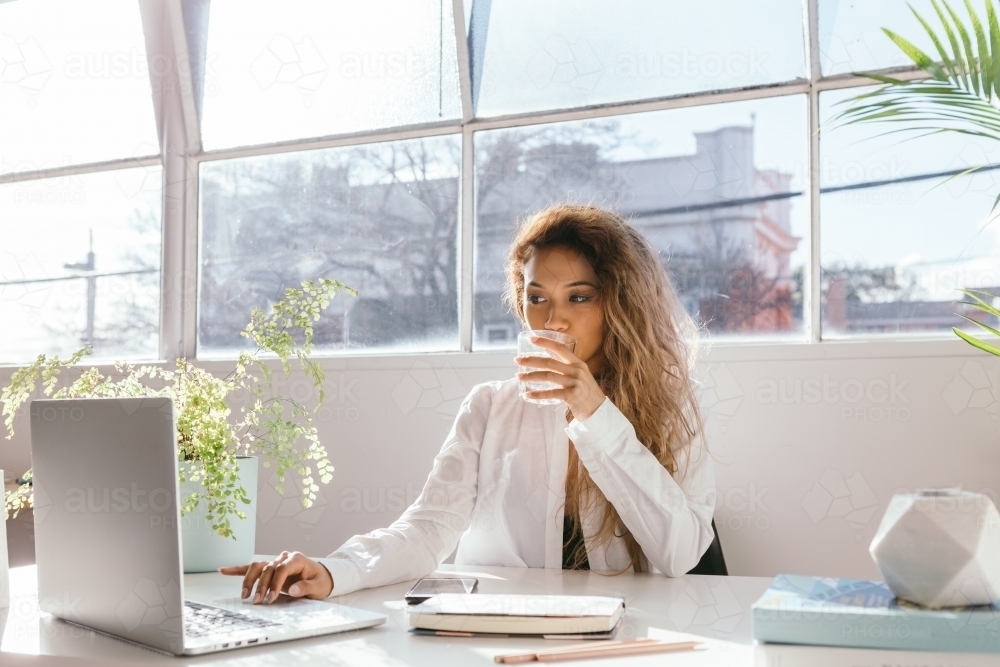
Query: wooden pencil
x=580 y=651
x=613 y=651
x=531 y=657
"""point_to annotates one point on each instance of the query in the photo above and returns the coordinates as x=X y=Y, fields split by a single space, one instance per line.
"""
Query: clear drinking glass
x=525 y=348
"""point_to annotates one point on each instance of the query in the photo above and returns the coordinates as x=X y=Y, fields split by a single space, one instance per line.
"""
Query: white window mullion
x=466 y=241
x=466 y=201
x=812 y=298
x=179 y=135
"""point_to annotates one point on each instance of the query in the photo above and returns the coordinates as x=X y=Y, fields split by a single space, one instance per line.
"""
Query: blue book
x=865 y=614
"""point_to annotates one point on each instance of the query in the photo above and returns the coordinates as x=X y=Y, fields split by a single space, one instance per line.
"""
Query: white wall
x=803 y=478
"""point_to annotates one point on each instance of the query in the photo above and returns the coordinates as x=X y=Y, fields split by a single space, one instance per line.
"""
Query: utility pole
x=89 y=265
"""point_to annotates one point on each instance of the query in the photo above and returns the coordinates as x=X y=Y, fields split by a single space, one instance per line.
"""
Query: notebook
x=518 y=614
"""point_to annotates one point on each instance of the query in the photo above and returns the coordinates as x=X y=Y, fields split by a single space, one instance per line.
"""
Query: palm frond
x=959 y=67
x=975 y=342
x=961 y=96
x=981 y=304
x=964 y=77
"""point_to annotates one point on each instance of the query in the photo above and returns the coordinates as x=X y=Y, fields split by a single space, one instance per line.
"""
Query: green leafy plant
x=981 y=301
x=268 y=425
x=961 y=95
x=963 y=87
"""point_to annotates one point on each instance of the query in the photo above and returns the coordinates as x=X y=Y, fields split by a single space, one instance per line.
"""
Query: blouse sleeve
x=416 y=543
x=671 y=520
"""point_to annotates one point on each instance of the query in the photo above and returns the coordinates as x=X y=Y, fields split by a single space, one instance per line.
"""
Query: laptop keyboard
x=201 y=620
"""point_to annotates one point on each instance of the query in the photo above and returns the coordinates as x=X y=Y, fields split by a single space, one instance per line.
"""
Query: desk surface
x=714 y=608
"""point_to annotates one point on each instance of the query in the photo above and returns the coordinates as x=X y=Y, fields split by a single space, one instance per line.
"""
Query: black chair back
x=712 y=562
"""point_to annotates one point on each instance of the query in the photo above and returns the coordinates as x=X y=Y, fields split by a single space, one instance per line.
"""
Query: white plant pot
x=205 y=550
x=940 y=548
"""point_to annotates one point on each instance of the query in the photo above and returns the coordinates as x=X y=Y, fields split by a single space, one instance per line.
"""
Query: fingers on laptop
x=290 y=571
x=251 y=572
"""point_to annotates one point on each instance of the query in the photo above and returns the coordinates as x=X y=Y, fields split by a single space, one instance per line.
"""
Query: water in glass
x=525 y=348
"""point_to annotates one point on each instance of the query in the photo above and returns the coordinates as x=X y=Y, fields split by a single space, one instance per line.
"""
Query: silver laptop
x=107 y=536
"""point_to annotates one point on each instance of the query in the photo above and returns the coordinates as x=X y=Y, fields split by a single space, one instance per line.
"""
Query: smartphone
x=429 y=587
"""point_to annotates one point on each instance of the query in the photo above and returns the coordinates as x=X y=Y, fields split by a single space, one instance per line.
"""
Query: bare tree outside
x=704 y=213
x=382 y=218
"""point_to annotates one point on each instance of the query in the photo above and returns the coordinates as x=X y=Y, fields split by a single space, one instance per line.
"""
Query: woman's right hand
x=291 y=573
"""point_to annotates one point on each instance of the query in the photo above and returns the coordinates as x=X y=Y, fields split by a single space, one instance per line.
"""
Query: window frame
x=178 y=126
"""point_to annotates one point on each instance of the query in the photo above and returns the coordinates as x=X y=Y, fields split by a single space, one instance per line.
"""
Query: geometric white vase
x=940 y=548
x=204 y=550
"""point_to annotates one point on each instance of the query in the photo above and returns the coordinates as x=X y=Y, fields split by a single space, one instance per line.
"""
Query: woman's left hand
x=578 y=388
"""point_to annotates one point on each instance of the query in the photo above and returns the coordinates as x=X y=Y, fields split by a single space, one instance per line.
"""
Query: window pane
x=72 y=241
x=381 y=218
x=529 y=55
x=310 y=68
x=897 y=240
x=717 y=190
x=74 y=87
x=851 y=37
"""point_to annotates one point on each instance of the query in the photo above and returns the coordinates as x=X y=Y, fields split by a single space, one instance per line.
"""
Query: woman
x=615 y=479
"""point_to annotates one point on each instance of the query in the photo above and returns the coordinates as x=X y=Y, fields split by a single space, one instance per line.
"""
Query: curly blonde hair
x=649 y=345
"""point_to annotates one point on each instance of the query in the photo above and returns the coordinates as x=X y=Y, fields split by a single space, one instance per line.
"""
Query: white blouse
x=498 y=487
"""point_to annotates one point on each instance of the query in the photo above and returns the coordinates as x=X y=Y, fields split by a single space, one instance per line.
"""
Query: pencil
x=611 y=648
x=533 y=656
x=613 y=651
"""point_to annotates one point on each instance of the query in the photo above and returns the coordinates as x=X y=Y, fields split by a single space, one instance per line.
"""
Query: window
x=381 y=218
x=80 y=265
x=851 y=37
x=898 y=237
x=308 y=68
x=717 y=190
x=532 y=56
x=239 y=147
x=74 y=85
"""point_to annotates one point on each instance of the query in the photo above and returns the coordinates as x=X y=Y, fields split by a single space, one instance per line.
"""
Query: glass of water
x=525 y=348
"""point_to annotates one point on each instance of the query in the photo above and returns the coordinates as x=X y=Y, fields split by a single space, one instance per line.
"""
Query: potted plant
x=212 y=447
x=961 y=95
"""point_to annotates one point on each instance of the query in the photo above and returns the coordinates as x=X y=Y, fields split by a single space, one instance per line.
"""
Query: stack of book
x=865 y=614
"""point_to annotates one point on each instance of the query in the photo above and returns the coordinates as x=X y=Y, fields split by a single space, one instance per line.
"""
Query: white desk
x=716 y=608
